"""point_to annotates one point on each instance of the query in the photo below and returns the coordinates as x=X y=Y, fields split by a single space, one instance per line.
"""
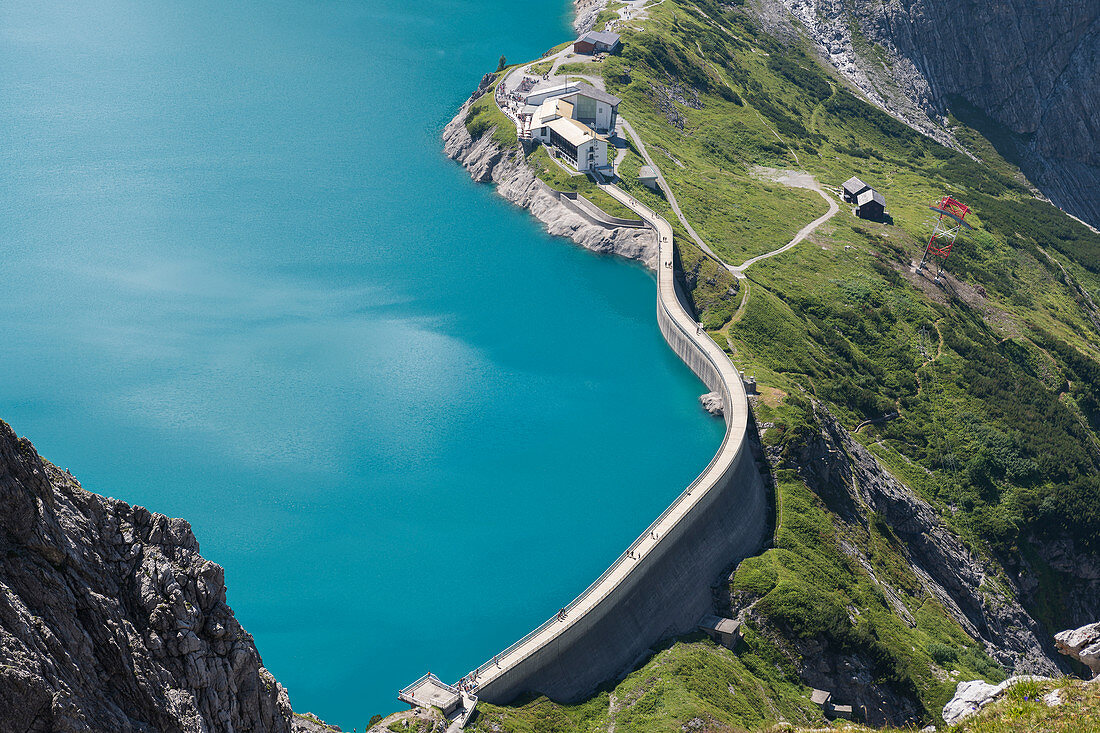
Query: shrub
x=942 y=654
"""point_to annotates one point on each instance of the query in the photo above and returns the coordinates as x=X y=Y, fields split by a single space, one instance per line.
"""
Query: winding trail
x=803 y=180
x=669 y=196
x=804 y=232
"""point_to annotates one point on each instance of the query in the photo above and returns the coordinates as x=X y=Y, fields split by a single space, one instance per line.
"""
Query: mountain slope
x=1028 y=73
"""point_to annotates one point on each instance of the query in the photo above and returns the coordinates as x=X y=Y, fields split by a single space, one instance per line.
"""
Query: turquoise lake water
x=241 y=284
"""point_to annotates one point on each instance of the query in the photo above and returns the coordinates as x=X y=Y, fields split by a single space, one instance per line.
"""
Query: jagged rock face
x=1076 y=579
x=853 y=483
x=852 y=680
x=1034 y=67
x=488 y=162
x=110 y=620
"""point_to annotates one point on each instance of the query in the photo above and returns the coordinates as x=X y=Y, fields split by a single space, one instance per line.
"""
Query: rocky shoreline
x=506 y=168
x=489 y=162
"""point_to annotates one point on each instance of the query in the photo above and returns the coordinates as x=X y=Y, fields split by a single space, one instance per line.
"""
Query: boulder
x=973 y=695
x=1082 y=644
x=712 y=403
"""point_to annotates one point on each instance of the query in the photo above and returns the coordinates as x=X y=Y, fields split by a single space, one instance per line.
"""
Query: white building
x=553 y=123
x=593 y=107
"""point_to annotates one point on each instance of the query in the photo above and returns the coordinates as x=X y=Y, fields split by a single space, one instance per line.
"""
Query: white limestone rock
x=712 y=403
x=1082 y=644
x=973 y=695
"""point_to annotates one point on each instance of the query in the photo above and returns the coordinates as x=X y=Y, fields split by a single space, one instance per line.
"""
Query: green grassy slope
x=996 y=376
x=1016 y=393
x=693 y=679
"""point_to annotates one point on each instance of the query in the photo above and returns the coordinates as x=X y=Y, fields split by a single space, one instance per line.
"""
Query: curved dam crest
x=660 y=586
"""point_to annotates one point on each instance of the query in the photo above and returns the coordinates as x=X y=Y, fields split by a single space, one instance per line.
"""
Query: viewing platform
x=431 y=692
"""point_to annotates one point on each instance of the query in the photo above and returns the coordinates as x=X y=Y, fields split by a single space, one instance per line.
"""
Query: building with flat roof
x=648 y=177
x=594 y=107
x=597 y=42
x=563 y=119
x=575 y=140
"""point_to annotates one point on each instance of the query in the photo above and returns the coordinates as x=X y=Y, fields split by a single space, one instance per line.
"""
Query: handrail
x=411 y=686
x=662 y=301
x=603 y=218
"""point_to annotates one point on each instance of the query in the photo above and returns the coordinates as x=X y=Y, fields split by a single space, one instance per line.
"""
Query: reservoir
x=242 y=285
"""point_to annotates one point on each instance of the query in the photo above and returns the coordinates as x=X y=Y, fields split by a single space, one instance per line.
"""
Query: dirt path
x=796 y=180
x=737 y=315
x=671 y=197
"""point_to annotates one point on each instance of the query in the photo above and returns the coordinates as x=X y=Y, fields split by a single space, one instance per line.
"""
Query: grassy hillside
x=995 y=376
x=1003 y=437
x=692 y=680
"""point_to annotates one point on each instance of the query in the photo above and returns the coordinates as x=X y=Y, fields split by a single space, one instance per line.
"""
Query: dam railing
x=715 y=369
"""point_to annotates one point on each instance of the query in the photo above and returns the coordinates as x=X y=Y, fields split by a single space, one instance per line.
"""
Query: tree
x=502 y=63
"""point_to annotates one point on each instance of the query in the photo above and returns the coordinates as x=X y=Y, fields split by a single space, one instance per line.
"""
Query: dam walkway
x=492 y=679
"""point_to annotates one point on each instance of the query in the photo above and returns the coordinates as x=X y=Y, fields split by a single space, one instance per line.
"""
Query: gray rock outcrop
x=1082 y=644
x=584 y=14
x=1076 y=574
x=110 y=620
x=712 y=403
x=1034 y=68
x=488 y=162
x=972 y=696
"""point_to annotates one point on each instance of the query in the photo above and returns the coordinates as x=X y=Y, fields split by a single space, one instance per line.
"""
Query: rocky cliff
x=854 y=485
x=110 y=620
x=857 y=489
x=488 y=162
x=1031 y=67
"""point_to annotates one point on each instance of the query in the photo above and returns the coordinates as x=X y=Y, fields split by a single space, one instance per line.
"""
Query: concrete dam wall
x=661 y=585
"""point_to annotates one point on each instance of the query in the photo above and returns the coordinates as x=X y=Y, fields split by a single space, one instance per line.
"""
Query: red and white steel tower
x=951 y=220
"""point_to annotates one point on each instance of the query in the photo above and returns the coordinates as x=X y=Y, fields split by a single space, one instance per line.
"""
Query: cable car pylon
x=951 y=220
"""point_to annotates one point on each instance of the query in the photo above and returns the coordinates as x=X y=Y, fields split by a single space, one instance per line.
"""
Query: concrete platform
x=431 y=692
